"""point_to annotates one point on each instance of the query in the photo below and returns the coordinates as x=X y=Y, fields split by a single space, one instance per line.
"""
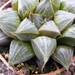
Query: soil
x=30 y=66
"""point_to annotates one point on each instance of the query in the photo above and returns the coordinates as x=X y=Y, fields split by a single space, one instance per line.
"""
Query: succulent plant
x=39 y=28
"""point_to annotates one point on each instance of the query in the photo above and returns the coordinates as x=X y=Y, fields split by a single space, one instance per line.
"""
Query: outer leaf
x=25 y=7
x=26 y=30
x=4 y=39
x=14 y=4
x=47 y=7
x=68 y=36
x=9 y=21
x=37 y=20
x=20 y=51
x=63 y=19
x=49 y=29
x=63 y=55
x=68 y=5
x=43 y=47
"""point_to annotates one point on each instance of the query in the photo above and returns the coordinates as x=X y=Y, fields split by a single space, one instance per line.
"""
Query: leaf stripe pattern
x=9 y=22
x=45 y=8
x=25 y=7
x=20 y=51
x=63 y=19
x=26 y=30
x=63 y=55
x=49 y=29
x=68 y=36
x=27 y=26
x=43 y=47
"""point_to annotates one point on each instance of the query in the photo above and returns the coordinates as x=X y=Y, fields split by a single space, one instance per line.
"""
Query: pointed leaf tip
x=63 y=19
x=25 y=7
x=49 y=29
x=63 y=55
x=43 y=47
x=26 y=30
x=47 y=7
x=20 y=51
x=9 y=21
x=68 y=36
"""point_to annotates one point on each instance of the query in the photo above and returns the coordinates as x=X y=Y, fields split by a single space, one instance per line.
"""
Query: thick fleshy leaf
x=63 y=19
x=9 y=21
x=68 y=36
x=56 y=4
x=43 y=47
x=63 y=55
x=37 y=20
x=26 y=30
x=14 y=4
x=4 y=39
x=49 y=29
x=47 y=7
x=25 y=7
x=20 y=51
x=68 y=5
